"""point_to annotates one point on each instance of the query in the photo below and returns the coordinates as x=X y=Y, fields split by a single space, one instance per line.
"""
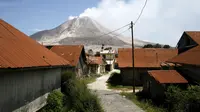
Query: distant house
x=75 y=54
x=96 y=65
x=28 y=71
x=188 y=40
x=108 y=54
x=156 y=81
x=145 y=59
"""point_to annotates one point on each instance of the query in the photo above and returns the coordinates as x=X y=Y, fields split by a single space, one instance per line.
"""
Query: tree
x=157 y=46
x=166 y=46
x=148 y=46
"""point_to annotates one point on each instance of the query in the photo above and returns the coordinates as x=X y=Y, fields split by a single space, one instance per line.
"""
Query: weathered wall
x=102 y=68
x=127 y=75
x=93 y=68
x=23 y=86
x=156 y=89
x=191 y=73
x=81 y=68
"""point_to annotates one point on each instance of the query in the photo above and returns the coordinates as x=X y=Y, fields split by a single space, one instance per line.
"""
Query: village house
x=75 y=54
x=188 y=40
x=96 y=65
x=28 y=71
x=156 y=82
x=187 y=62
x=145 y=60
x=108 y=54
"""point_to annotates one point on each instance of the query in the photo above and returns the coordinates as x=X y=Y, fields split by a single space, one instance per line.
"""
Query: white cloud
x=35 y=30
x=71 y=17
x=162 y=21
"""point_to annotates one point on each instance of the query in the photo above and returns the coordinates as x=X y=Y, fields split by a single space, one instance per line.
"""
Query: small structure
x=75 y=54
x=108 y=54
x=28 y=71
x=157 y=80
x=96 y=65
x=145 y=59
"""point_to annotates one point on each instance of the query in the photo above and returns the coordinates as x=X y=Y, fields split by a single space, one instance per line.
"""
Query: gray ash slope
x=85 y=31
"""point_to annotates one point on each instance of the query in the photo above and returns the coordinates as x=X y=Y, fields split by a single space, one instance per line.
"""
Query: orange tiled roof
x=190 y=57
x=167 y=76
x=144 y=58
x=195 y=35
x=69 y=52
x=17 y=50
x=95 y=60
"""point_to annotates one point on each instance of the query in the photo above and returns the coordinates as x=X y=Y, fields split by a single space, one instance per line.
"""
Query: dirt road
x=110 y=99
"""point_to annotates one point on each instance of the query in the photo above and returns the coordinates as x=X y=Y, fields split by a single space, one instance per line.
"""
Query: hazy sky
x=163 y=21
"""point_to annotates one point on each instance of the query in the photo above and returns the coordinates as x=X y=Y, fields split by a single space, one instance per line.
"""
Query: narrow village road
x=110 y=99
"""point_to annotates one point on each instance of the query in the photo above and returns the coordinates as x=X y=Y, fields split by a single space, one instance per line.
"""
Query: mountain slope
x=84 y=31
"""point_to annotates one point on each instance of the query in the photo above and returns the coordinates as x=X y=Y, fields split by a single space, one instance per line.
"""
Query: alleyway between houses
x=111 y=100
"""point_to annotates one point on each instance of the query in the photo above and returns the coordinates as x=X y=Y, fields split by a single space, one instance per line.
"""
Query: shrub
x=77 y=96
x=183 y=100
x=166 y=46
x=54 y=102
x=115 y=79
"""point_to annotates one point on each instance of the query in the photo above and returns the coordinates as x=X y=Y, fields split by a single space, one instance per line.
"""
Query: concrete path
x=110 y=99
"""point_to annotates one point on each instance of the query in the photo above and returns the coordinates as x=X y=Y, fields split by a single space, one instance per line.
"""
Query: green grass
x=90 y=79
x=145 y=105
x=119 y=87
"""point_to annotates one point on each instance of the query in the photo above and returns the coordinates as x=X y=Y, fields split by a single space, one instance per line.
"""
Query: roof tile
x=167 y=76
x=69 y=52
x=144 y=58
x=189 y=57
x=17 y=50
x=195 y=35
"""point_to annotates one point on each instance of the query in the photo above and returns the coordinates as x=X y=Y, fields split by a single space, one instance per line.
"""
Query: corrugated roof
x=69 y=52
x=195 y=35
x=95 y=60
x=190 y=57
x=144 y=58
x=167 y=76
x=17 y=50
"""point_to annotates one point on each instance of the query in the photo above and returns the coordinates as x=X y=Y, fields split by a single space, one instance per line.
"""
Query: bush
x=166 y=46
x=148 y=46
x=179 y=100
x=77 y=96
x=54 y=102
x=115 y=79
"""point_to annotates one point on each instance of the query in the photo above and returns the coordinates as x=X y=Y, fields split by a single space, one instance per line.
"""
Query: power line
x=141 y=12
x=114 y=30
x=121 y=32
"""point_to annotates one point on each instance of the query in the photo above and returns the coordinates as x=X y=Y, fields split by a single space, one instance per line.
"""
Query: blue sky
x=163 y=21
x=32 y=15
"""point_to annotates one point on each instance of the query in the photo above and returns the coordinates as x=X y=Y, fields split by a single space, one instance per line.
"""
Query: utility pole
x=133 y=57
